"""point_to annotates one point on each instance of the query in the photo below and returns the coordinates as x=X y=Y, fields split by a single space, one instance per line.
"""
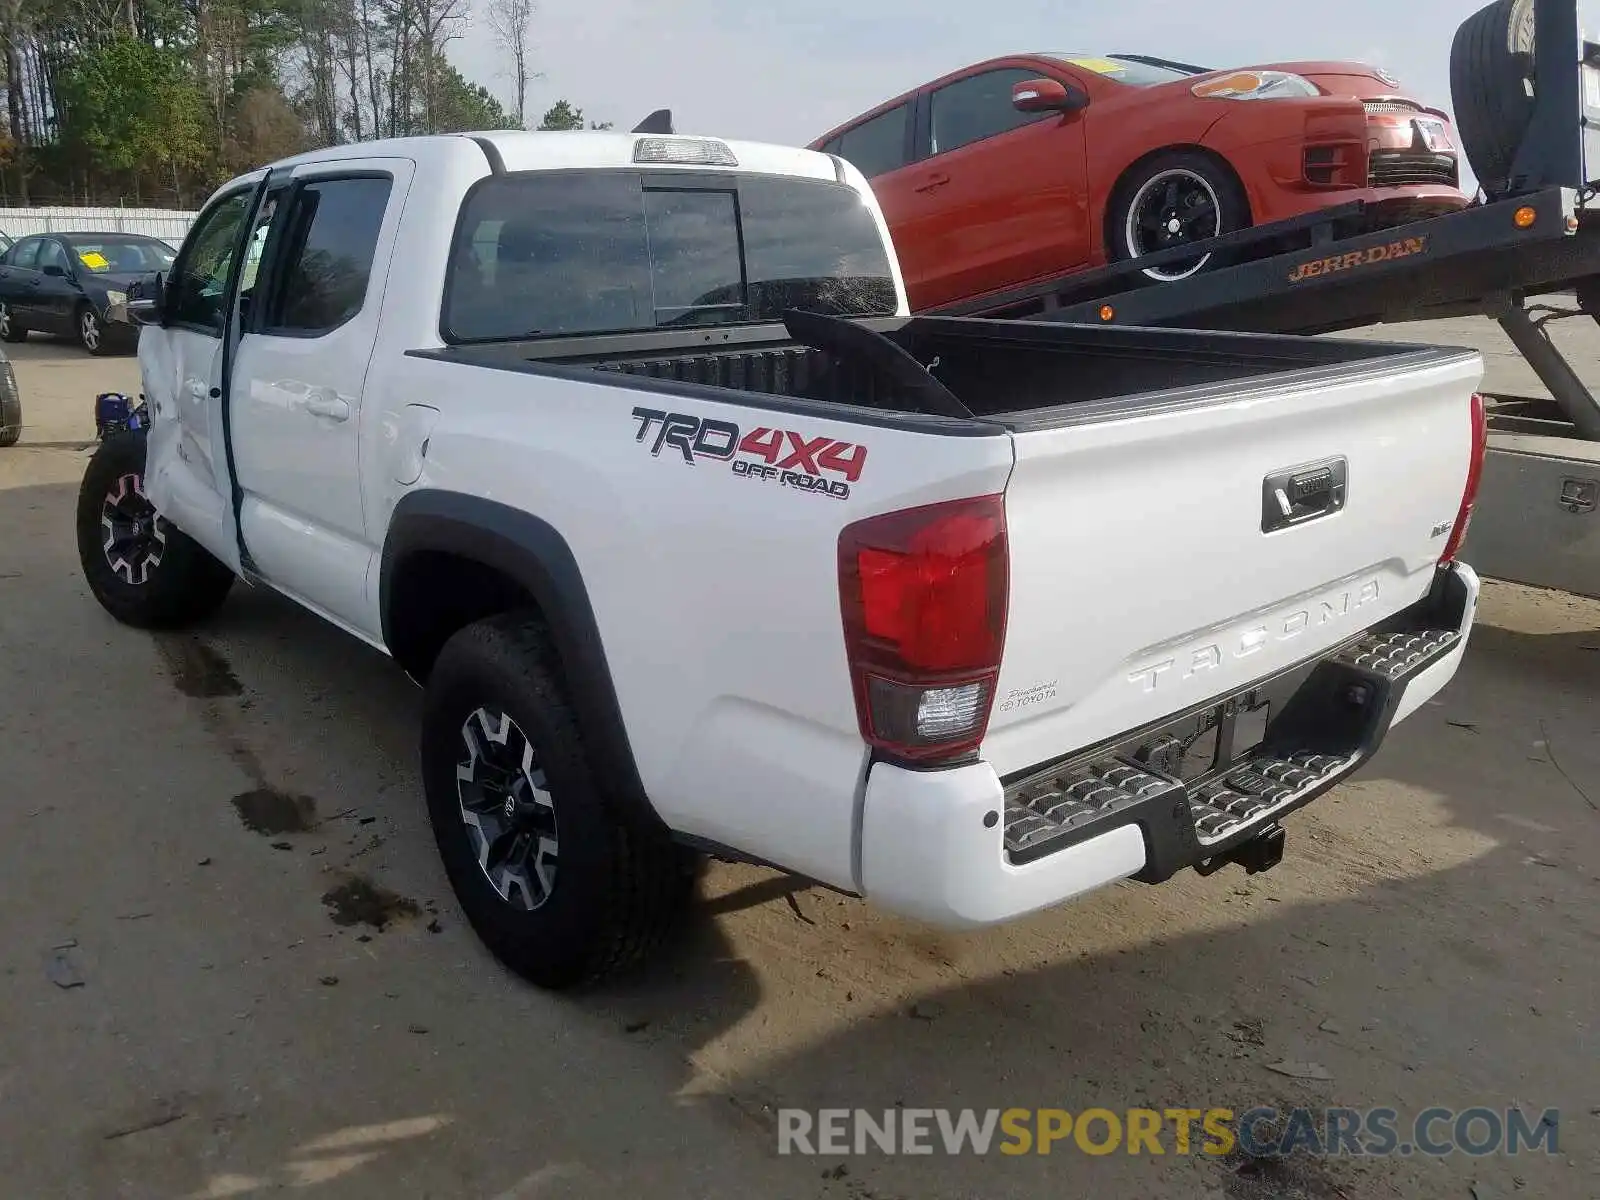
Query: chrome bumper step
x=1083 y=798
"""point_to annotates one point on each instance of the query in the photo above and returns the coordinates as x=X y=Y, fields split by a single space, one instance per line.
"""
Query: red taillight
x=923 y=592
x=1469 y=495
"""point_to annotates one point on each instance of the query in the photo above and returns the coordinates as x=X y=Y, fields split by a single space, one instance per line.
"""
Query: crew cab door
x=998 y=197
x=182 y=363
x=326 y=232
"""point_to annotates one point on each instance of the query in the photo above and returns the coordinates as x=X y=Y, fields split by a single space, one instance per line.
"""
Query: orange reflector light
x=1524 y=217
x=1107 y=313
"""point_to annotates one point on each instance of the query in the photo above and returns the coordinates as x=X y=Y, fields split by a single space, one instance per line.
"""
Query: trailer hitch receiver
x=1260 y=853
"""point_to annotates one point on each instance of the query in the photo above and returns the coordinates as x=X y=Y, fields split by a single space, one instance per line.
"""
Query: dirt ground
x=230 y=964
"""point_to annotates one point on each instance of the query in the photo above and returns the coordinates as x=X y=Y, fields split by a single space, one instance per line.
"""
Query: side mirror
x=1047 y=95
x=54 y=270
x=145 y=301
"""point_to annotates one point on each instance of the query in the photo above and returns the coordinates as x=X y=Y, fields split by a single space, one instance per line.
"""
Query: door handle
x=326 y=404
x=1302 y=494
x=931 y=182
x=35 y=282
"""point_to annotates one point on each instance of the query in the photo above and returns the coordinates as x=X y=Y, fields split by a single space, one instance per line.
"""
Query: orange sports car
x=1031 y=166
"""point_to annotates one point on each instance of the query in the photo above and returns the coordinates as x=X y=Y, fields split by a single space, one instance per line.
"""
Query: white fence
x=168 y=224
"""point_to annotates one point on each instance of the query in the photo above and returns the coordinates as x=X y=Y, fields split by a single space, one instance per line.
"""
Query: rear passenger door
x=19 y=282
x=1000 y=196
x=299 y=375
x=880 y=148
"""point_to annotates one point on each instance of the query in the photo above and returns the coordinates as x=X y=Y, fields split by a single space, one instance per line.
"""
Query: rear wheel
x=562 y=881
x=1491 y=85
x=11 y=329
x=143 y=570
x=1173 y=200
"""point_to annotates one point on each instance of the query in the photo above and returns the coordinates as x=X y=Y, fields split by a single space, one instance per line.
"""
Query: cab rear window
x=558 y=253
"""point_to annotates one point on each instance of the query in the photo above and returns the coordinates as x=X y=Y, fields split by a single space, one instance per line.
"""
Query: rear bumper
x=960 y=848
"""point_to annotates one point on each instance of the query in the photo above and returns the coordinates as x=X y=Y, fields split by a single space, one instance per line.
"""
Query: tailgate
x=1153 y=566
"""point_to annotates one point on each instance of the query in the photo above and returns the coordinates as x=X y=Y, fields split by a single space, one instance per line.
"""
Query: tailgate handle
x=1299 y=494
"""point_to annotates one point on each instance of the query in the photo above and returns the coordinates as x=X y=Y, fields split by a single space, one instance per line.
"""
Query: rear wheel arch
x=450 y=560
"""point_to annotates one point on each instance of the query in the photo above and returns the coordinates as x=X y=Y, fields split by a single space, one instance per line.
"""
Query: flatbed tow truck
x=1525 y=253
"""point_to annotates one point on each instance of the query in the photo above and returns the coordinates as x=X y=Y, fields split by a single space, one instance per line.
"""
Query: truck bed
x=1011 y=373
x=1185 y=517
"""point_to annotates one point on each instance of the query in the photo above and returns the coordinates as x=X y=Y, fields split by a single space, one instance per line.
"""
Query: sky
x=787 y=73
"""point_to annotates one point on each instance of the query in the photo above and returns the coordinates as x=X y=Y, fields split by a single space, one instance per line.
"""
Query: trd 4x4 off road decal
x=821 y=466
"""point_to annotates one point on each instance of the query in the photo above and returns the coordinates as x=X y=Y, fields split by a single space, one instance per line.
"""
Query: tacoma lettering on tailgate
x=779 y=456
x=1232 y=647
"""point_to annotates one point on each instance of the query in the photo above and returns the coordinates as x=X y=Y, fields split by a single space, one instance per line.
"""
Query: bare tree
x=15 y=22
x=510 y=21
x=436 y=22
x=375 y=84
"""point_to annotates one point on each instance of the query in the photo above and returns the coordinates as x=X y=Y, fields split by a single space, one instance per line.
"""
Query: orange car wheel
x=1172 y=200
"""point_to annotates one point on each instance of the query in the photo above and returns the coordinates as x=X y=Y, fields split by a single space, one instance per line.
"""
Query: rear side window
x=549 y=254
x=25 y=253
x=332 y=237
x=878 y=146
x=977 y=107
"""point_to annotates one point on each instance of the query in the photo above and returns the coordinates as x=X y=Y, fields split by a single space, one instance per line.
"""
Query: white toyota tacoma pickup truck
x=626 y=448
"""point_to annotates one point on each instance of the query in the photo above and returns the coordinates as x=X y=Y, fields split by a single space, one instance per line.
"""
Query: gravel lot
x=207 y=990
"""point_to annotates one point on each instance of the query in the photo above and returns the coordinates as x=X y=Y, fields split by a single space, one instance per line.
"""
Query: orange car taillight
x=923 y=593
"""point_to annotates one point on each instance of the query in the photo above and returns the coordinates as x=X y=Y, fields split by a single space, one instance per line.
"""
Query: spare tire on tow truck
x=1492 y=86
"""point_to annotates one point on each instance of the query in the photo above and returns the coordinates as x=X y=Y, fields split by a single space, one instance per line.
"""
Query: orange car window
x=877 y=146
x=978 y=107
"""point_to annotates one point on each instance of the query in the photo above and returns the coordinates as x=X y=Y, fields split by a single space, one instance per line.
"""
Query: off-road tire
x=1491 y=86
x=186 y=585
x=620 y=883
